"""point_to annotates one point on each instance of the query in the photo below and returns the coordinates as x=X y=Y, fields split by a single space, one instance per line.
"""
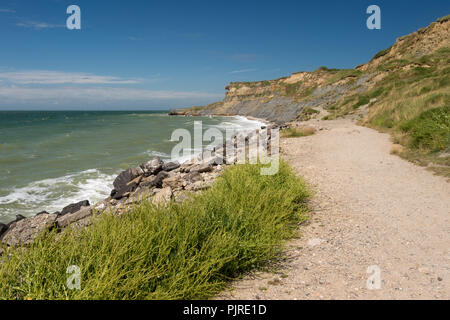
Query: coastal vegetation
x=186 y=250
x=297 y=132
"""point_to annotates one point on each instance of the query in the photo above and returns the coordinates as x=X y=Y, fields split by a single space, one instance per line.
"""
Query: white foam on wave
x=240 y=123
x=54 y=194
x=234 y=123
x=153 y=153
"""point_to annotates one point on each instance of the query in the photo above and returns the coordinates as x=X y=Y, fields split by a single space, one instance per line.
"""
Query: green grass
x=444 y=19
x=382 y=53
x=183 y=251
x=344 y=73
x=293 y=88
x=310 y=111
x=297 y=132
x=326 y=69
x=362 y=100
x=430 y=130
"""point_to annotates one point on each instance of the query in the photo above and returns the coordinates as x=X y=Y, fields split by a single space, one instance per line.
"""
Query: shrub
x=297 y=132
x=444 y=19
x=293 y=88
x=310 y=111
x=430 y=130
x=382 y=53
x=362 y=100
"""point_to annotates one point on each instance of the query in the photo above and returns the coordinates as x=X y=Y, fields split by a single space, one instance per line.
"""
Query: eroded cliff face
x=283 y=100
x=301 y=94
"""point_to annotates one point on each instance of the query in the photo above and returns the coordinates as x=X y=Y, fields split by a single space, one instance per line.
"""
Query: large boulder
x=155 y=181
x=174 y=181
x=193 y=177
x=19 y=217
x=152 y=167
x=201 y=168
x=169 y=166
x=71 y=208
x=80 y=217
x=162 y=197
x=126 y=189
x=126 y=176
x=26 y=230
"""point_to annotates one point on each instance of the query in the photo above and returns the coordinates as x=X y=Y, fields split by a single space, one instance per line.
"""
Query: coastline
x=42 y=171
x=166 y=180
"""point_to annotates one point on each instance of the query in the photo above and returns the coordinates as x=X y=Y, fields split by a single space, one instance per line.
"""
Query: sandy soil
x=370 y=208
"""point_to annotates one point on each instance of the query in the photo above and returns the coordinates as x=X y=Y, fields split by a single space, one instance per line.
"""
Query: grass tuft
x=430 y=130
x=297 y=132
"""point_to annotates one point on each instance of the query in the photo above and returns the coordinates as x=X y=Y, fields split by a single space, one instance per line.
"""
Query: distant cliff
x=297 y=96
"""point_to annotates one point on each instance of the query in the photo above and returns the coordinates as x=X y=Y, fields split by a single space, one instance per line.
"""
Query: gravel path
x=370 y=208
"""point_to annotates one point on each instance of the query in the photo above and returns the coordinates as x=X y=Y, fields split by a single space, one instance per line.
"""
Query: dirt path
x=370 y=208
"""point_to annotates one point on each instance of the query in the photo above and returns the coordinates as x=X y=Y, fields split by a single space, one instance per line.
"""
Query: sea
x=49 y=159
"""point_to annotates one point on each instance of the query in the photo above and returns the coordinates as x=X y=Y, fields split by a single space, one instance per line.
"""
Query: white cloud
x=42 y=88
x=98 y=96
x=98 y=93
x=39 y=25
x=57 y=77
x=133 y=38
x=7 y=11
x=243 y=70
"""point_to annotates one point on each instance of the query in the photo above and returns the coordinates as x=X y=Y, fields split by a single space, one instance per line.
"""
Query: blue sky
x=141 y=54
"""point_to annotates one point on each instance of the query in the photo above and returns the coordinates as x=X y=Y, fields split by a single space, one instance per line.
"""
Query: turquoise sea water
x=51 y=159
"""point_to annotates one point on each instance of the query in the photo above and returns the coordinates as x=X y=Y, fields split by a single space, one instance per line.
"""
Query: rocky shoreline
x=156 y=180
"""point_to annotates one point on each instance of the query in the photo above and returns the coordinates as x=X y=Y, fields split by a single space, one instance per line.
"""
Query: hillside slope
x=404 y=89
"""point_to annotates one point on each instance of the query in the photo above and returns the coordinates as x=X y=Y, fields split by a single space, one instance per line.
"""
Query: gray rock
x=140 y=195
x=42 y=212
x=74 y=207
x=175 y=182
x=186 y=167
x=126 y=176
x=163 y=196
x=193 y=177
x=152 y=167
x=198 y=185
x=26 y=230
x=203 y=167
x=19 y=217
x=169 y=166
x=78 y=216
x=214 y=160
x=155 y=181
x=125 y=190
